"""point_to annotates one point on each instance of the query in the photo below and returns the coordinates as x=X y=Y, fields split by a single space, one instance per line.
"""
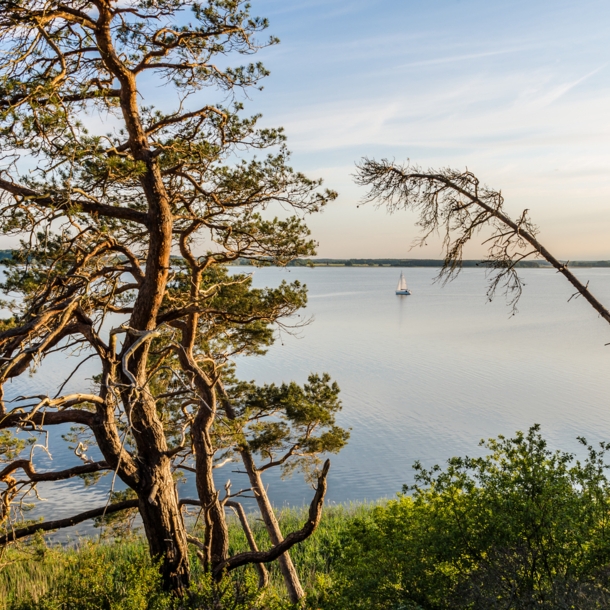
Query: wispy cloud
x=519 y=92
x=449 y=59
x=559 y=91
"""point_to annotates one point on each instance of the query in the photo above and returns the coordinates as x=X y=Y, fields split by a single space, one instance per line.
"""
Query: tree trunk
x=216 y=544
x=152 y=480
x=149 y=475
x=289 y=572
x=164 y=527
x=217 y=533
x=158 y=500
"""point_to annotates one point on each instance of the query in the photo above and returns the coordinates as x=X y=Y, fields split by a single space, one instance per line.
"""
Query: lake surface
x=423 y=377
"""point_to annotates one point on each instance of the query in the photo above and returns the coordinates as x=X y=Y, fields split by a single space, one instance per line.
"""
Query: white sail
x=402 y=282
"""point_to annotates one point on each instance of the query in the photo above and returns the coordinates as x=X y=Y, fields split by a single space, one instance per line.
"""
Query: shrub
x=522 y=527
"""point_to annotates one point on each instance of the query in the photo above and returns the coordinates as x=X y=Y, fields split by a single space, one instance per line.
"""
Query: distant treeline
x=416 y=262
x=388 y=262
x=393 y=262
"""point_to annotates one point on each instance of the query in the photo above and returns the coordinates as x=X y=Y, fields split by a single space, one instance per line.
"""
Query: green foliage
x=522 y=527
x=35 y=576
x=238 y=592
x=120 y=576
x=11 y=445
x=236 y=318
x=290 y=425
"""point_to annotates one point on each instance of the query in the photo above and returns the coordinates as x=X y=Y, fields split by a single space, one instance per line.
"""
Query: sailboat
x=402 y=285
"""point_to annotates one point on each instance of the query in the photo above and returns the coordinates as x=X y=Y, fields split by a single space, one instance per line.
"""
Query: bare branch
x=457 y=205
x=52 y=418
x=263 y=575
x=58 y=475
x=47 y=526
x=315 y=514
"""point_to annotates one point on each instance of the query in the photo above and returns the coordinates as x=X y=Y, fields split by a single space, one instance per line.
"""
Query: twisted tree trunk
x=216 y=531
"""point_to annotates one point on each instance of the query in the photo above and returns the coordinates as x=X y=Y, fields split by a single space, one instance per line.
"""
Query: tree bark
x=289 y=572
x=217 y=533
x=165 y=529
x=158 y=503
x=216 y=530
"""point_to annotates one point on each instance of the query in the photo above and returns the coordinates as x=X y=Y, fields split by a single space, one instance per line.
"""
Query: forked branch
x=313 y=520
x=263 y=575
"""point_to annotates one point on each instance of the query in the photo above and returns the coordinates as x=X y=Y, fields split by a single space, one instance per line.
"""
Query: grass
x=313 y=557
x=522 y=527
x=120 y=573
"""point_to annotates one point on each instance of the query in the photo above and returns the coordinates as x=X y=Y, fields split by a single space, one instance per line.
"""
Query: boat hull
x=403 y=292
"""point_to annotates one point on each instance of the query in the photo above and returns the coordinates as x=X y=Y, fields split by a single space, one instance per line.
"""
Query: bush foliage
x=523 y=527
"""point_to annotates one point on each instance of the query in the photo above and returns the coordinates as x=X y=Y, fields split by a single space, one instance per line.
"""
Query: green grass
x=90 y=575
x=119 y=574
x=522 y=527
x=314 y=556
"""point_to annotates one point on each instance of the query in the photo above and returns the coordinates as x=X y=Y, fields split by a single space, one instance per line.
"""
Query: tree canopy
x=130 y=191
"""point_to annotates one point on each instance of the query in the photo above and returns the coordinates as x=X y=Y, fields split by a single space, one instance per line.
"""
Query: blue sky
x=518 y=92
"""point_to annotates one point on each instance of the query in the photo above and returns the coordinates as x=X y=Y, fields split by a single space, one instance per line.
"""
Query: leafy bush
x=522 y=527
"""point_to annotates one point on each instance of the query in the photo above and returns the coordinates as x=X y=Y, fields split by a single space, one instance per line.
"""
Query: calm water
x=423 y=377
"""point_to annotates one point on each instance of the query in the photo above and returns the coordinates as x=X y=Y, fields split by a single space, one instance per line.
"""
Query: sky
x=517 y=92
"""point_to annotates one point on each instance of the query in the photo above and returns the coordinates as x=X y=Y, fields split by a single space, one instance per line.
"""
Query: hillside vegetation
x=522 y=527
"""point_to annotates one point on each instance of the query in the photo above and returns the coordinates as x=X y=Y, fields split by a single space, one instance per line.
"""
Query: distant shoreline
x=393 y=262
x=416 y=262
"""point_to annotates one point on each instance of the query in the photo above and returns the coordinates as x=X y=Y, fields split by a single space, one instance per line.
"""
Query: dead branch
x=263 y=575
x=455 y=204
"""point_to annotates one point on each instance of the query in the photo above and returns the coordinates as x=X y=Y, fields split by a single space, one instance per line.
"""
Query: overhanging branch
x=48 y=526
x=88 y=206
x=69 y=416
x=442 y=198
x=57 y=475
